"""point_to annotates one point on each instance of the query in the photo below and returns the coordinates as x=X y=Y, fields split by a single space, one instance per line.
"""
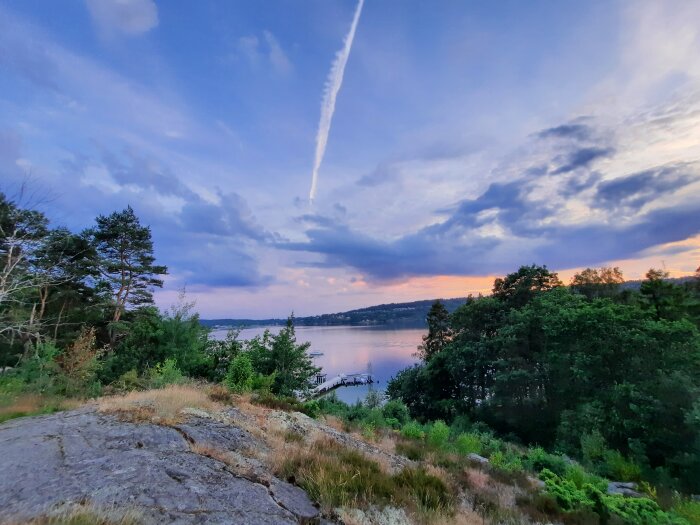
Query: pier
x=341 y=380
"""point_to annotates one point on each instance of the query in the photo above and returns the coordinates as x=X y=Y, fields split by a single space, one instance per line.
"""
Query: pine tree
x=125 y=251
x=439 y=331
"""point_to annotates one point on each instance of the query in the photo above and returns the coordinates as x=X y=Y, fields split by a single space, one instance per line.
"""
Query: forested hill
x=405 y=315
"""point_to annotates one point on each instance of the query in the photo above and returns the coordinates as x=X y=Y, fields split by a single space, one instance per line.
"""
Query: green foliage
x=507 y=461
x=618 y=467
x=589 y=498
x=438 y=434
x=373 y=399
x=312 y=408
x=282 y=355
x=164 y=374
x=468 y=443
x=612 y=380
x=239 y=377
x=537 y=459
x=412 y=430
x=688 y=510
x=439 y=331
x=395 y=409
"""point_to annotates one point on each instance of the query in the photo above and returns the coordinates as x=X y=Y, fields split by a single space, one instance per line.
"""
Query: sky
x=468 y=138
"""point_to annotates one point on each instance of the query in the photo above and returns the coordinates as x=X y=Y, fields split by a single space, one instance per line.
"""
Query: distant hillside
x=404 y=315
x=400 y=315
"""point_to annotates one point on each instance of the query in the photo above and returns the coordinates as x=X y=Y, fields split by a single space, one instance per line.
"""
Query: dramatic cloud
x=130 y=17
x=528 y=219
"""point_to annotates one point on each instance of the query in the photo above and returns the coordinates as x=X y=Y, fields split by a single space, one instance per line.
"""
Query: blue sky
x=468 y=138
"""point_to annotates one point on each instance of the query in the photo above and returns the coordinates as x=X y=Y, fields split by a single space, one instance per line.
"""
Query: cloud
x=127 y=17
x=636 y=190
x=575 y=131
x=576 y=213
x=276 y=54
x=582 y=158
x=267 y=51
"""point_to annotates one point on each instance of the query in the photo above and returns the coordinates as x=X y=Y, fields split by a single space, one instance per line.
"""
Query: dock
x=341 y=380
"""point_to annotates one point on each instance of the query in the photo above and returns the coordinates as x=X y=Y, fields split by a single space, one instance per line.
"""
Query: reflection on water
x=351 y=349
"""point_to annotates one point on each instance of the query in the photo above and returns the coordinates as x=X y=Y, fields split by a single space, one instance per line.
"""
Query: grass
x=84 y=514
x=164 y=406
x=22 y=405
x=336 y=476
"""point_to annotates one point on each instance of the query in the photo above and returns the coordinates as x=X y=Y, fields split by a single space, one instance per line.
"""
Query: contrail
x=330 y=93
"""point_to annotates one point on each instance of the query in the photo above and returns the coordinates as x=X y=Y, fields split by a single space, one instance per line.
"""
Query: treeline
x=398 y=315
x=77 y=315
x=591 y=370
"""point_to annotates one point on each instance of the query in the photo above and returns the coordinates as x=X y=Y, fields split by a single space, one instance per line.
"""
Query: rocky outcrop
x=628 y=489
x=85 y=456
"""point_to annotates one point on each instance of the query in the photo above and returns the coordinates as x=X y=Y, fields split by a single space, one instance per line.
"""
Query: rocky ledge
x=84 y=456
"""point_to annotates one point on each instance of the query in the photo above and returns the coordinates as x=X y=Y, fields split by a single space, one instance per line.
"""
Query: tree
x=667 y=300
x=125 y=251
x=439 y=331
x=282 y=356
x=517 y=289
x=594 y=282
x=22 y=233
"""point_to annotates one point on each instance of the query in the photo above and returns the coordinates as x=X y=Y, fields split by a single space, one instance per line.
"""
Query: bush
x=412 y=430
x=537 y=459
x=312 y=408
x=438 y=434
x=262 y=383
x=508 y=462
x=397 y=410
x=581 y=477
x=610 y=508
x=620 y=468
x=393 y=423
x=239 y=377
x=164 y=374
x=689 y=510
x=468 y=443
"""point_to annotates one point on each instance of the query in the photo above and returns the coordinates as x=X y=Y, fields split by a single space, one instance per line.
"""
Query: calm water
x=352 y=349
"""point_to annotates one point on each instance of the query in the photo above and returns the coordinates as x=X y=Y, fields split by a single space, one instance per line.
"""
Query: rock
x=536 y=483
x=478 y=459
x=84 y=456
x=628 y=489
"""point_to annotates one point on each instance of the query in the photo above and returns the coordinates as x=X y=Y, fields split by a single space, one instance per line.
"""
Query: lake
x=354 y=349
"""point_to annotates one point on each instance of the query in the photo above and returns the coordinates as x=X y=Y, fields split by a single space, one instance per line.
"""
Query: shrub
x=312 y=408
x=610 y=508
x=262 y=383
x=537 y=459
x=397 y=410
x=581 y=477
x=508 y=462
x=129 y=381
x=593 y=448
x=393 y=423
x=164 y=374
x=620 y=468
x=438 y=434
x=239 y=377
x=412 y=430
x=373 y=399
x=689 y=510
x=468 y=443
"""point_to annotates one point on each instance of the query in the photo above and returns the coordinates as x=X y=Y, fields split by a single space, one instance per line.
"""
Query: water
x=351 y=349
